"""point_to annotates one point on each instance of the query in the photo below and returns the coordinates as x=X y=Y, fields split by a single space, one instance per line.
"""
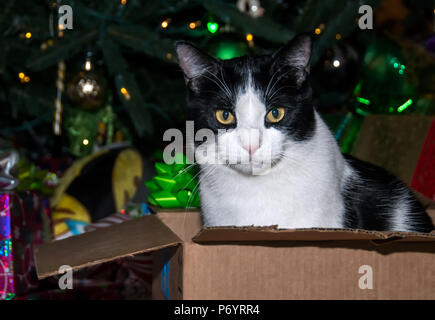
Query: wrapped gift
x=404 y=145
x=7 y=288
x=25 y=222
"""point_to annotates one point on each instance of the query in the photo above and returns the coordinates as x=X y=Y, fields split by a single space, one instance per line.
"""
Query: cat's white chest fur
x=301 y=191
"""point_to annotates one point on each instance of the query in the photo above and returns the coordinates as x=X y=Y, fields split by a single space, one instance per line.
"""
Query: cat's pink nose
x=250 y=148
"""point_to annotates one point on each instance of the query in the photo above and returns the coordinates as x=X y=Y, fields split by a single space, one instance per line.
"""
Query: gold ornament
x=88 y=90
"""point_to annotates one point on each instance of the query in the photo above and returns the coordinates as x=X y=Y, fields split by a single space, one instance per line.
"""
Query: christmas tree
x=113 y=76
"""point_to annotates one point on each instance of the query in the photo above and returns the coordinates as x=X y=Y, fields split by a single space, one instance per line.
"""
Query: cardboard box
x=191 y=262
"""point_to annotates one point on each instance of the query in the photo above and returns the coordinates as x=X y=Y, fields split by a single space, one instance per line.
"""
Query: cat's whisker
x=224 y=82
x=193 y=178
x=185 y=170
x=196 y=189
x=222 y=85
x=277 y=80
x=266 y=92
x=219 y=86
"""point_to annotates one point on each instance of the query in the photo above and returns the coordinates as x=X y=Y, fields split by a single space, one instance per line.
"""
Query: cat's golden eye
x=275 y=115
x=224 y=117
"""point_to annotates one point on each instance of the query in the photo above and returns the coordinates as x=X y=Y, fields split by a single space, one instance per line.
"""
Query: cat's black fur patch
x=370 y=200
x=370 y=196
x=288 y=88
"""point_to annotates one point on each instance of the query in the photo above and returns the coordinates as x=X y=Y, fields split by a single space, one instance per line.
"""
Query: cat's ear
x=296 y=54
x=193 y=61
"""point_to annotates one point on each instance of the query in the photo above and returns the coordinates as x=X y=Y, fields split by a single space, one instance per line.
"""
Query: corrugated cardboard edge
x=127 y=239
x=272 y=233
x=253 y=234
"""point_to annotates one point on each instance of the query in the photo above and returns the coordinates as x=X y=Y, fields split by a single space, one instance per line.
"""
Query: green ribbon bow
x=174 y=186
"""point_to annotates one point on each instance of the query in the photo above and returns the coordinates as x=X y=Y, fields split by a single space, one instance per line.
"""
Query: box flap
x=129 y=238
x=272 y=233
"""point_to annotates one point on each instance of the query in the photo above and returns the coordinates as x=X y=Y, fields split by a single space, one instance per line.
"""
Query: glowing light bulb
x=88 y=65
x=405 y=105
x=85 y=142
x=192 y=25
x=88 y=87
x=249 y=37
x=212 y=27
x=336 y=63
x=125 y=93
x=123 y=2
x=317 y=31
x=28 y=35
x=165 y=24
x=21 y=75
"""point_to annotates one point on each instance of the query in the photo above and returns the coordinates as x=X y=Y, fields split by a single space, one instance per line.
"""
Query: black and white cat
x=260 y=109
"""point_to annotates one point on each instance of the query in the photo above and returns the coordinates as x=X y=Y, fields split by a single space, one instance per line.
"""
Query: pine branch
x=260 y=27
x=132 y=101
x=61 y=50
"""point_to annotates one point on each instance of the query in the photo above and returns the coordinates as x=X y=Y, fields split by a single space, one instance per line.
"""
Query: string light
x=363 y=101
x=212 y=27
x=88 y=65
x=319 y=29
x=85 y=142
x=125 y=93
x=165 y=23
x=28 y=35
x=405 y=105
x=60 y=28
x=336 y=63
x=23 y=77
x=249 y=37
x=398 y=66
x=192 y=25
